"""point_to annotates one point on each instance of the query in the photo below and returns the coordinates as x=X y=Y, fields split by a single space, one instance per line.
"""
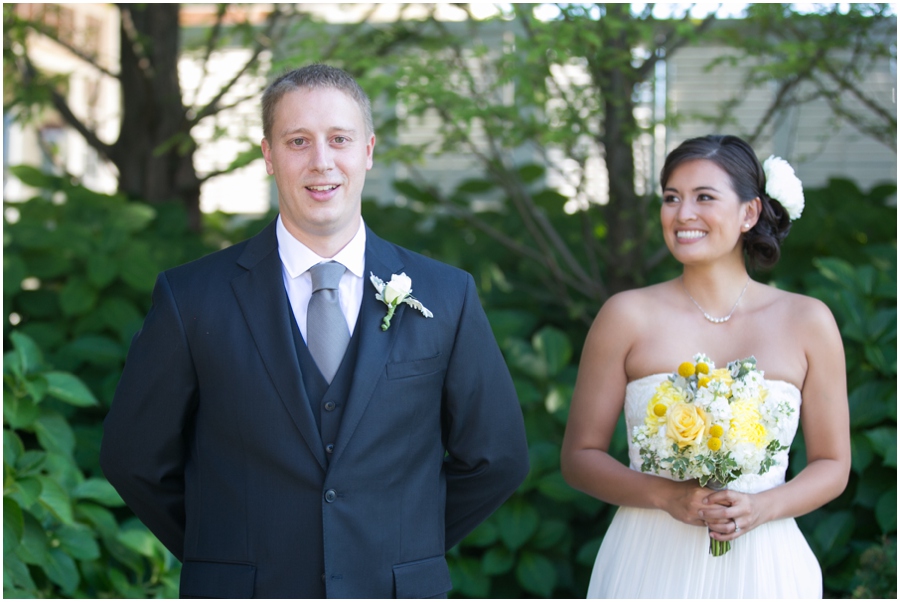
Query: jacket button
x=330 y=495
x=329 y=448
x=329 y=406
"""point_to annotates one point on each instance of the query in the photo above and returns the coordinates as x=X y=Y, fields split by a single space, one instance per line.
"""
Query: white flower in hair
x=784 y=186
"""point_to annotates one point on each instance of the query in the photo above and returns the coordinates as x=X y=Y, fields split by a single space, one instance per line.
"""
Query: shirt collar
x=298 y=258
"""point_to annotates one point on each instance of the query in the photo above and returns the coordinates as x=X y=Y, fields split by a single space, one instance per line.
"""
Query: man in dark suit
x=280 y=451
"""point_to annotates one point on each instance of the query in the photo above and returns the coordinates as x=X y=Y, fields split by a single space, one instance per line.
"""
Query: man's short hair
x=311 y=77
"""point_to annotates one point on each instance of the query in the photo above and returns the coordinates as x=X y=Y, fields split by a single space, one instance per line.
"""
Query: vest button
x=330 y=495
x=329 y=448
x=329 y=406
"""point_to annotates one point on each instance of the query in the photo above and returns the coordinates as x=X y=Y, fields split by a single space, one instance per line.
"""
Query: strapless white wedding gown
x=648 y=554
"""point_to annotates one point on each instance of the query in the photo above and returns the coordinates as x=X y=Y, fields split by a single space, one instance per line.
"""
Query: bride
x=718 y=214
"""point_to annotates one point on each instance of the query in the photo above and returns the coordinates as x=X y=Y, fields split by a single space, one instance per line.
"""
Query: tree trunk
x=154 y=152
x=625 y=214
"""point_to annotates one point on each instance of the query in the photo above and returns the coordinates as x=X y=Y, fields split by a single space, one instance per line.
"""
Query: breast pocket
x=413 y=368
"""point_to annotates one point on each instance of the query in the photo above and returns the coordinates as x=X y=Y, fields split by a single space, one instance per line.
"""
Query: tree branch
x=46 y=32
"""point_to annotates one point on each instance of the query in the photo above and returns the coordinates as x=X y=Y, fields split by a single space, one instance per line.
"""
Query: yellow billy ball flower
x=714 y=443
x=686 y=369
x=703 y=381
x=660 y=409
x=702 y=368
x=716 y=431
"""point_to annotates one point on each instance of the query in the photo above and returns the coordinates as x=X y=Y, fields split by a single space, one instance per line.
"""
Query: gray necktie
x=327 y=334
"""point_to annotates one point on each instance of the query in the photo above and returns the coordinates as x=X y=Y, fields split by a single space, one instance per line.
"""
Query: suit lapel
x=374 y=344
x=260 y=293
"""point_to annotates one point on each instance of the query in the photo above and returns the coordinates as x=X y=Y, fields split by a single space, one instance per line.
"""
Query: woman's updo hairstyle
x=762 y=243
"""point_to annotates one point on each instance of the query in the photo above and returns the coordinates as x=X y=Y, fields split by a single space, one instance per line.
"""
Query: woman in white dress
x=718 y=215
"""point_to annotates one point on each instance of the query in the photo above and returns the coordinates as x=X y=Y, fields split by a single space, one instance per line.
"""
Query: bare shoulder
x=802 y=312
x=626 y=315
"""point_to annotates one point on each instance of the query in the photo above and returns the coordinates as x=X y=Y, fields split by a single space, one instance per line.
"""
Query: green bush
x=61 y=537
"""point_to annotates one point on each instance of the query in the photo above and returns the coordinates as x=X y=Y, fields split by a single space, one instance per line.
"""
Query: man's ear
x=267 y=155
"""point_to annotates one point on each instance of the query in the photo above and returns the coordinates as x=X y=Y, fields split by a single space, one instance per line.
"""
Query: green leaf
x=101 y=270
x=13 y=525
x=835 y=531
x=12 y=447
x=517 y=521
x=24 y=492
x=549 y=534
x=483 y=535
x=55 y=499
x=20 y=412
x=133 y=217
x=35 y=386
x=861 y=454
x=29 y=354
x=886 y=511
x=553 y=347
x=34 y=177
x=16 y=574
x=99 y=490
x=554 y=486
x=536 y=574
x=474 y=185
x=77 y=297
x=95 y=349
x=870 y=403
x=61 y=570
x=103 y=521
x=69 y=388
x=497 y=560
x=884 y=442
x=78 y=542
x=140 y=540
x=468 y=580
x=137 y=267
x=587 y=554
x=55 y=434
x=34 y=548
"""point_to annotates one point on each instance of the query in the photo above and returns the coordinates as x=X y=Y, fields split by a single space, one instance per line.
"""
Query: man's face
x=319 y=153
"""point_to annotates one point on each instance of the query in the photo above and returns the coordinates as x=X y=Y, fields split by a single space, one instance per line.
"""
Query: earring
x=746 y=227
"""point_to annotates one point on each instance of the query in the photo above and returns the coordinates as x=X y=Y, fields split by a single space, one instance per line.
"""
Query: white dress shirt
x=297 y=258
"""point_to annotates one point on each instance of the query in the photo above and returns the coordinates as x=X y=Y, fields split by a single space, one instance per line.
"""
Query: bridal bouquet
x=713 y=425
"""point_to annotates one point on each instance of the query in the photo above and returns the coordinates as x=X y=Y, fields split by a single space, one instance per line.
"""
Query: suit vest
x=327 y=402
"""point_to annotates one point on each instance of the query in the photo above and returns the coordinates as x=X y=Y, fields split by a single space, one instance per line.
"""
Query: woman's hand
x=730 y=514
x=689 y=503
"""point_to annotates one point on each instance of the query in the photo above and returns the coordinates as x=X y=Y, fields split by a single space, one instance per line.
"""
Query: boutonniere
x=394 y=293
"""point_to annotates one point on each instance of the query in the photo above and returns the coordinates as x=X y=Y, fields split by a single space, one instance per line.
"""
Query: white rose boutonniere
x=395 y=292
x=784 y=186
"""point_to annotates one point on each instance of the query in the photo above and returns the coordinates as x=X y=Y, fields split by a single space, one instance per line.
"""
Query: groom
x=269 y=430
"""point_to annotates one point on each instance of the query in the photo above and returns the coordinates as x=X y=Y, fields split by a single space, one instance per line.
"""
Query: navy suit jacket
x=212 y=443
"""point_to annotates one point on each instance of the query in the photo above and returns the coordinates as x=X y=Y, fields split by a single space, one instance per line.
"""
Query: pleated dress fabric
x=648 y=554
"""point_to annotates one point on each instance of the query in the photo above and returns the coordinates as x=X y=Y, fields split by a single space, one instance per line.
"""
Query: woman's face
x=702 y=217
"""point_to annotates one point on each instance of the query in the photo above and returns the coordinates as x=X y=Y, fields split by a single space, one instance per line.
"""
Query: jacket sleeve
x=144 y=434
x=487 y=453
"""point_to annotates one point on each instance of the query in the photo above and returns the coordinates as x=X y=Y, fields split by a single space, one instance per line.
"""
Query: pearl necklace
x=709 y=317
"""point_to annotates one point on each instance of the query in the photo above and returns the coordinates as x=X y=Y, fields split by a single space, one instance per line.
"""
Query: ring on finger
x=736 y=528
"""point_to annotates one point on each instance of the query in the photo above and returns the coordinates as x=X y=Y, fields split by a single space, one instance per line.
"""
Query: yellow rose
x=686 y=424
x=666 y=396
